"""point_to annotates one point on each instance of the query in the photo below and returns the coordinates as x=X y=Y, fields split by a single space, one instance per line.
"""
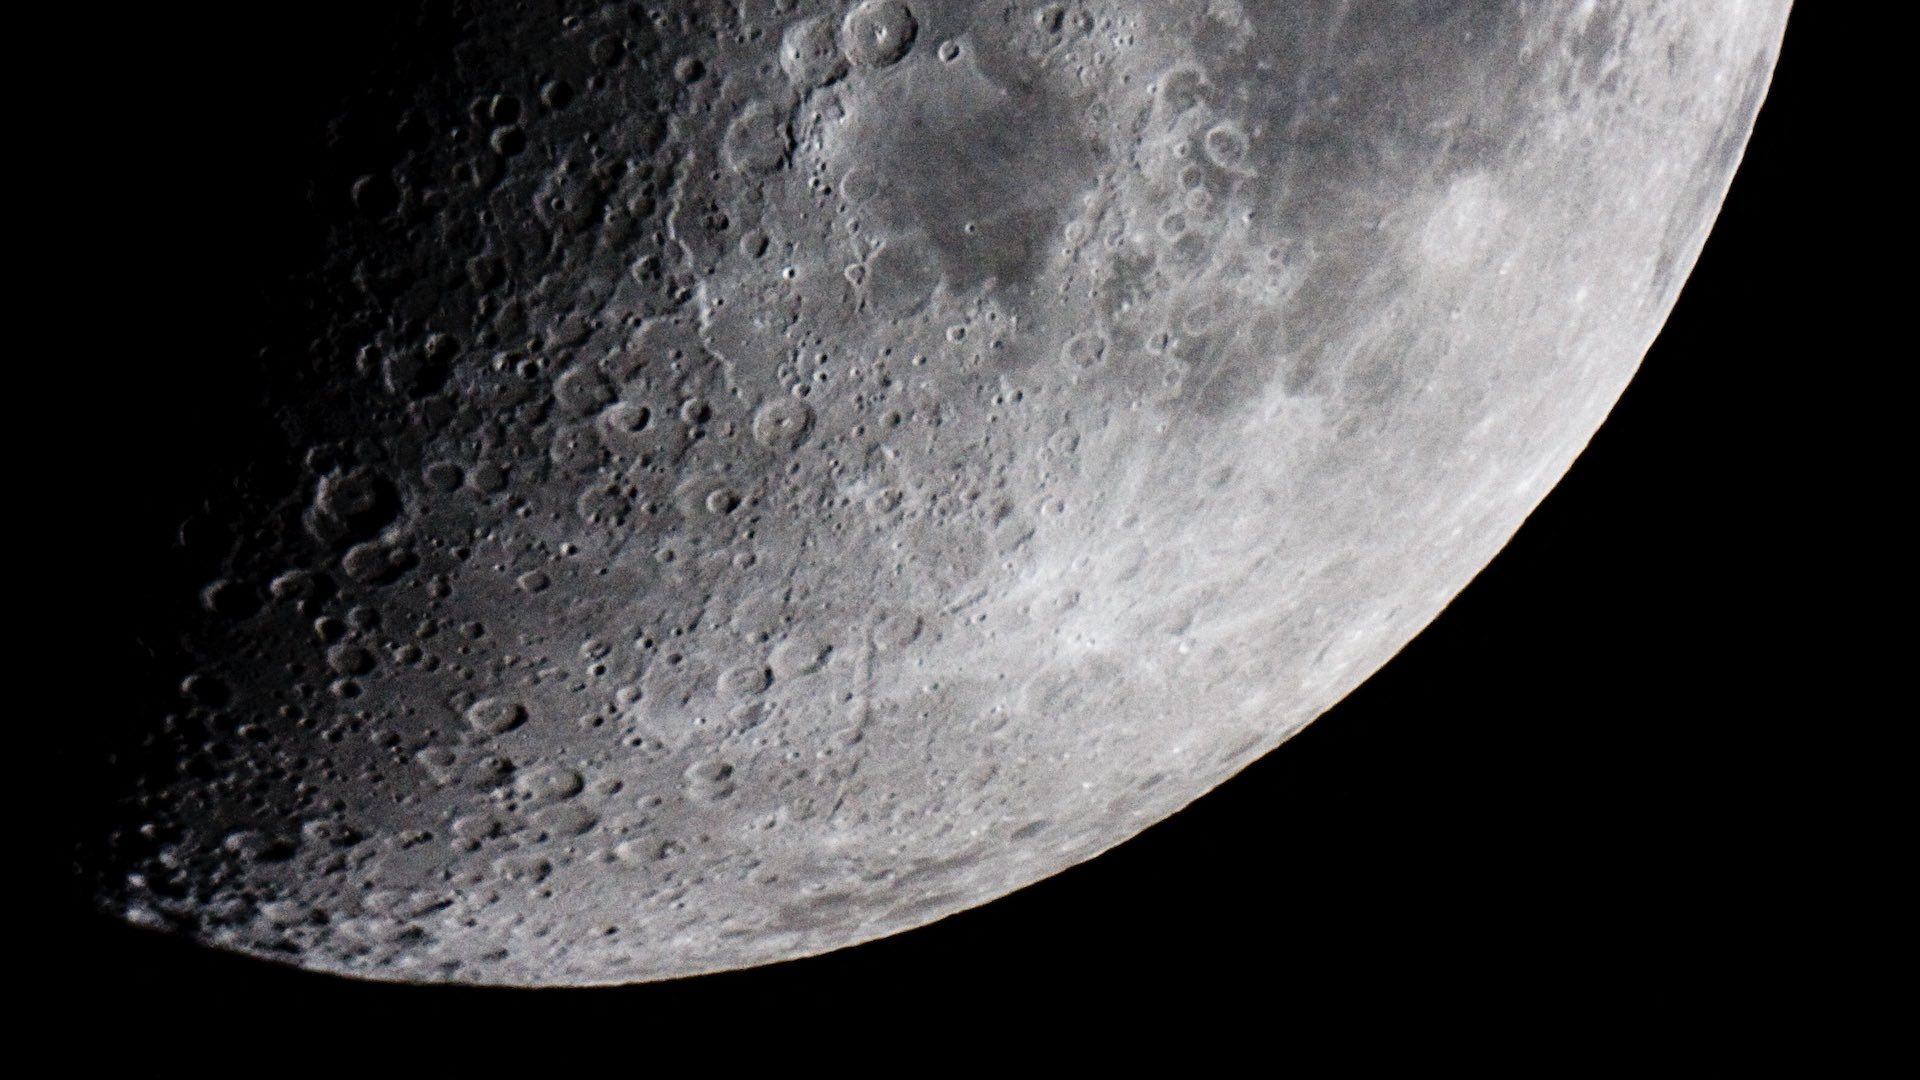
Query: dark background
x=1591 y=783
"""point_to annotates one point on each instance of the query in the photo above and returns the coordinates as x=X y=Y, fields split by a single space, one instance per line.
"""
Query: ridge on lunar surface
x=744 y=479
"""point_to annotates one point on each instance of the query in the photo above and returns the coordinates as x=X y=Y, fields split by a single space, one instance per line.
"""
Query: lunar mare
x=747 y=479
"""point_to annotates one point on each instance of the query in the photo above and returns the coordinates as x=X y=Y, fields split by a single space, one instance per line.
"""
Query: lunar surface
x=715 y=482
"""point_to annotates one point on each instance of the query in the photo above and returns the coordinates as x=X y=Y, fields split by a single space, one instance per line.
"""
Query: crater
x=969 y=176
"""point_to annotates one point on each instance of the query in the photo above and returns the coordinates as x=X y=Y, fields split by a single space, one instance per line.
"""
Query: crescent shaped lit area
x=721 y=482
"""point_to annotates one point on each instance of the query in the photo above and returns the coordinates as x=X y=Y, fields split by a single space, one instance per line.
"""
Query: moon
x=682 y=489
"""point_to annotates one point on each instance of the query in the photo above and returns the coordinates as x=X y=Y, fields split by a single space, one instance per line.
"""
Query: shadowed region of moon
x=693 y=485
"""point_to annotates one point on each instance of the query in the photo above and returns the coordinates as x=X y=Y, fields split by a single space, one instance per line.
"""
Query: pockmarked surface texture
x=749 y=478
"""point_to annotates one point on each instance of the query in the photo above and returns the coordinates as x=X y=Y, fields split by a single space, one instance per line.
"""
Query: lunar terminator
x=729 y=482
